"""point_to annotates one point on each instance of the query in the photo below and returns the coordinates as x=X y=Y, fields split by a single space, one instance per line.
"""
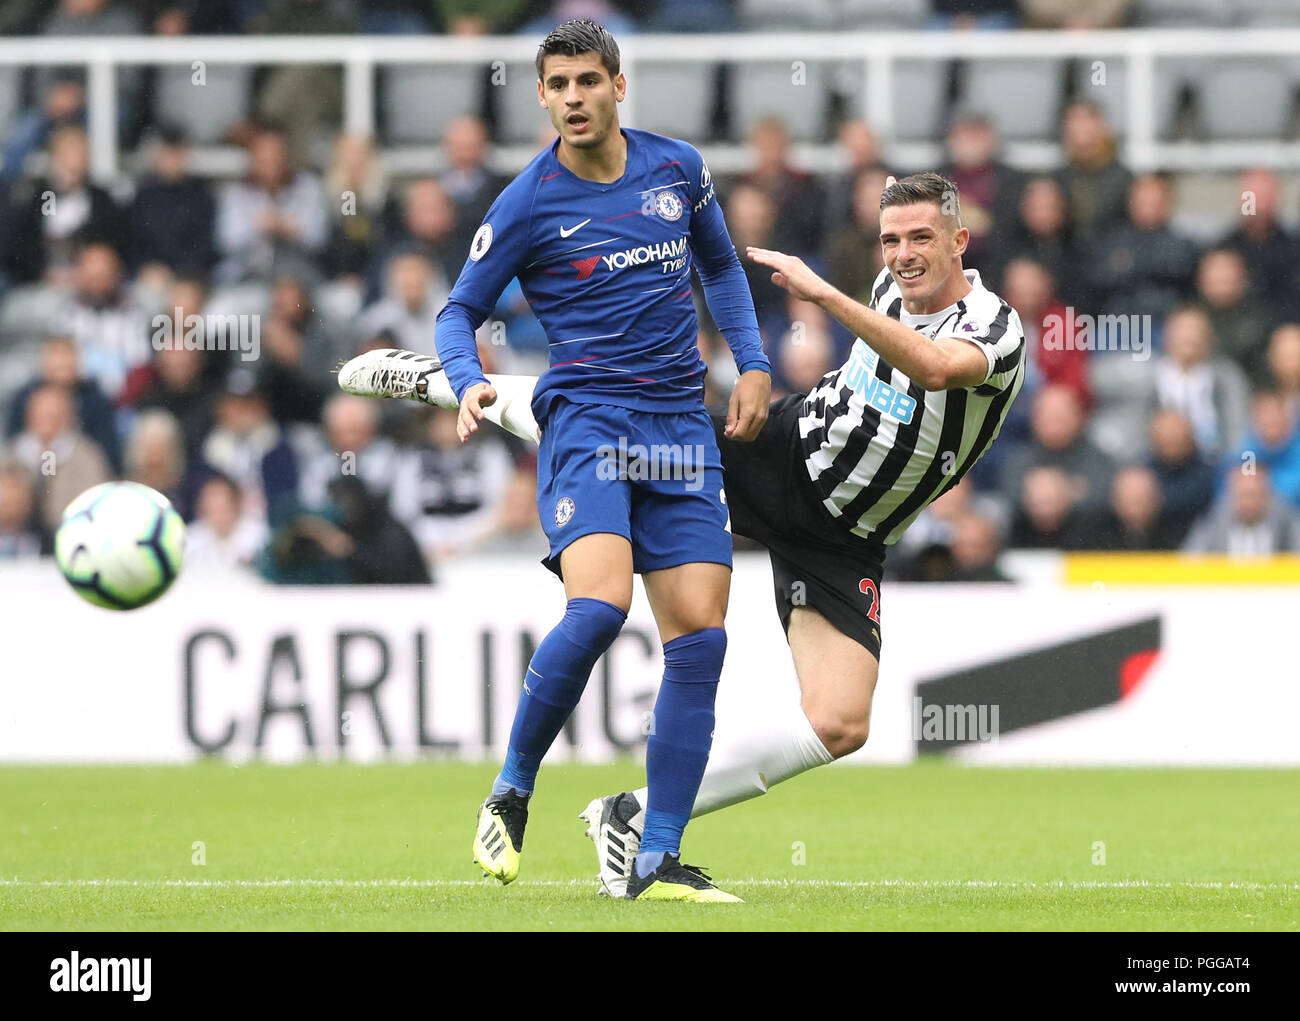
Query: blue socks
x=553 y=685
x=680 y=738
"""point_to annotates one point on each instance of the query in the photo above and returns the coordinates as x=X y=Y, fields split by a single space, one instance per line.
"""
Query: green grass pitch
x=930 y=846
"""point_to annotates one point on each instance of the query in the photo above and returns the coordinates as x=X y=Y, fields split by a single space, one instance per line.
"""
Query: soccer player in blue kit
x=602 y=229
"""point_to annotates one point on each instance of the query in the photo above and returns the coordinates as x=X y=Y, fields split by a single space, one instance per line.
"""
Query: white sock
x=744 y=765
x=511 y=410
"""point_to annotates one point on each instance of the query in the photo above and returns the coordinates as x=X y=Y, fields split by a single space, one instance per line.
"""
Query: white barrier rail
x=360 y=56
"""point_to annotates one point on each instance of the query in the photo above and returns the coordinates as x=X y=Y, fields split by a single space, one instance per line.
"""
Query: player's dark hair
x=928 y=187
x=576 y=37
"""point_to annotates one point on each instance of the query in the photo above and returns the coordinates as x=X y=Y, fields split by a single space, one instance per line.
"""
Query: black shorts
x=816 y=562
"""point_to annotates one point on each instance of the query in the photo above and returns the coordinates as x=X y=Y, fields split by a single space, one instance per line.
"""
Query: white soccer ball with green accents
x=120 y=545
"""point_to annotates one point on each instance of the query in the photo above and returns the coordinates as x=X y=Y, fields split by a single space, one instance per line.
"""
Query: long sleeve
x=495 y=257
x=725 y=289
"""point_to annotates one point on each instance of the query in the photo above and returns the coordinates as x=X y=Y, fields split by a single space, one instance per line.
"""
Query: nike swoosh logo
x=573 y=230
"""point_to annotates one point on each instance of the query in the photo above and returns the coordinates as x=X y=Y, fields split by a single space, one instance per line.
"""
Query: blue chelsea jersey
x=606 y=267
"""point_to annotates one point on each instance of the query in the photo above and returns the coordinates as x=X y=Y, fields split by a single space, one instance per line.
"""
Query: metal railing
x=875 y=53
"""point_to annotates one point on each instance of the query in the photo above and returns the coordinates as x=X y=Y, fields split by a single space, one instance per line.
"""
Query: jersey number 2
x=868 y=588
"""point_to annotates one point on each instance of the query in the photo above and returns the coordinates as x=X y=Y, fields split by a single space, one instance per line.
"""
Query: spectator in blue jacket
x=1273 y=441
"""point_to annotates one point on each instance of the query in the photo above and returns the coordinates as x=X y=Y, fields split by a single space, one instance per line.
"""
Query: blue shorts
x=653 y=478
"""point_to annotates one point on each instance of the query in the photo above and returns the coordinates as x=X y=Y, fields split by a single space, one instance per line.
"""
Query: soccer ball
x=120 y=545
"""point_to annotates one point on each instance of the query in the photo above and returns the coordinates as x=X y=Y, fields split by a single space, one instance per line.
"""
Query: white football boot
x=615 y=824
x=389 y=372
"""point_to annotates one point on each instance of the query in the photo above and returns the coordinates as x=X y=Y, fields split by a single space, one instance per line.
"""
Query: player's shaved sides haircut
x=581 y=35
x=929 y=187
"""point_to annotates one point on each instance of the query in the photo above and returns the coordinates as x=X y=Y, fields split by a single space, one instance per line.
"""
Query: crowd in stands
x=189 y=328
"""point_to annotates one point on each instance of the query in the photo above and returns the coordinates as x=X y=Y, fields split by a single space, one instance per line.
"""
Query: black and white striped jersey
x=878 y=447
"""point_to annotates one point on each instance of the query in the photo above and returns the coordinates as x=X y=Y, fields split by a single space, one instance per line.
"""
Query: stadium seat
x=1118 y=381
x=1267 y=13
x=1249 y=98
x=1036 y=85
x=26 y=313
x=419 y=101
x=1183 y=13
x=920 y=97
x=519 y=118
x=920 y=92
x=11 y=95
x=20 y=364
x=674 y=99
x=338 y=303
x=834 y=15
x=1121 y=386
x=1112 y=95
x=206 y=112
x=1121 y=431
x=886 y=15
x=758 y=90
x=251 y=297
x=774 y=15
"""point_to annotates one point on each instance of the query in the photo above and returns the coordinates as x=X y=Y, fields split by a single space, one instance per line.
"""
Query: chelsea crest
x=668 y=205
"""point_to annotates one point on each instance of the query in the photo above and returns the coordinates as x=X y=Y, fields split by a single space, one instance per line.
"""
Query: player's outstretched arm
x=484 y=276
x=457 y=346
x=726 y=292
x=944 y=363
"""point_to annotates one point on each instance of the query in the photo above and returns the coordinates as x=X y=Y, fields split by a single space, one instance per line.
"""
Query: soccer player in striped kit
x=838 y=474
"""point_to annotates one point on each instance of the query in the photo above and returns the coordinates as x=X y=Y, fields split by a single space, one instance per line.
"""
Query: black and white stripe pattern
x=878 y=448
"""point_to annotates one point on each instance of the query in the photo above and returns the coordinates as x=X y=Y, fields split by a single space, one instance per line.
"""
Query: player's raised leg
x=407 y=375
x=837 y=681
x=597 y=572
